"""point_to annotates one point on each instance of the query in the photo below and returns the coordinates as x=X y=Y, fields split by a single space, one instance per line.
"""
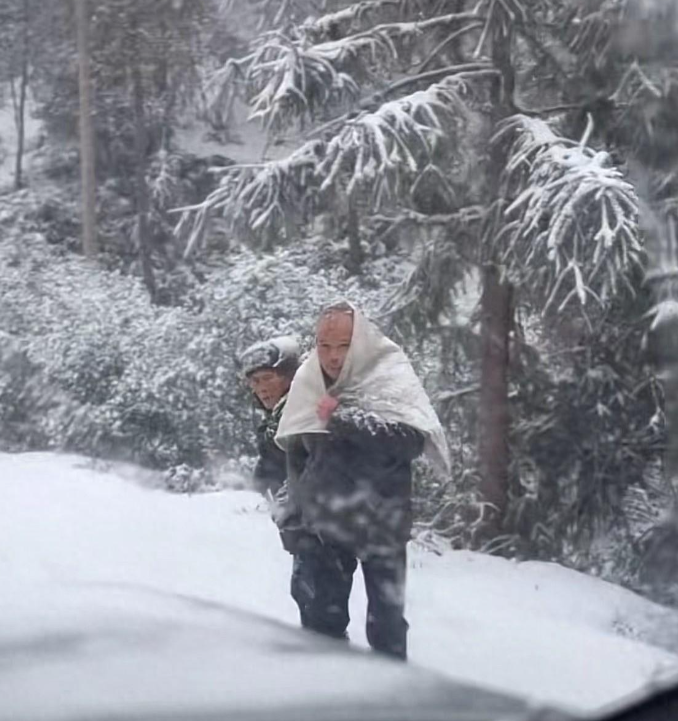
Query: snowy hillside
x=532 y=629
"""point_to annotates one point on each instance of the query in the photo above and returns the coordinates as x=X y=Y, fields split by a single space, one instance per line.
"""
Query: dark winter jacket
x=353 y=485
x=271 y=469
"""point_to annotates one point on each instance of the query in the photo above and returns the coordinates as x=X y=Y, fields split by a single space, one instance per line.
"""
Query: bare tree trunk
x=668 y=342
x=354 y=248
x=21 y=127
x=496 y=320
x=494 y=416
x=87 y=174
x=20 y=102
x=140 y=147
x=671 y=410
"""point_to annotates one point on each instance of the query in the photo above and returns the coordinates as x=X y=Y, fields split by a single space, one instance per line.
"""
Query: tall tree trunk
x=140 y=148
x=87 y=174
x=494 y=416
x=496 y=323
x=20 y=102
x=671 y=409
x=21 y=126
x=354 y=248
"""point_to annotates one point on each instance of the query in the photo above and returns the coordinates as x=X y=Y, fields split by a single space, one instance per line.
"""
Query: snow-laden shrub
x=151 y=384
x=184 y=479
x=19 y=379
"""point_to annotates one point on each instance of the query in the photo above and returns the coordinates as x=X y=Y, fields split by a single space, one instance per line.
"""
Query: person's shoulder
x=358 y=421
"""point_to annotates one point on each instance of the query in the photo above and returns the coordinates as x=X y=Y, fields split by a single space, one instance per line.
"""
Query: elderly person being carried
x=355 y=419
x=268 y=367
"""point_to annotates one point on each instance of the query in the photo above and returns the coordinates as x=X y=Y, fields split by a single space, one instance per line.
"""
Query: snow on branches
x=592 y=29
x=395 y=18
x=380 y=151
x=294 y=80
x=571 y=231
x=425 y=297
x=349 y=19
x=261 y=201
x=301 y=73
x=380 y=154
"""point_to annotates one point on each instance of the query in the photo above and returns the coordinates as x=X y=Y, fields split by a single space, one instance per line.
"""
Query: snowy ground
x=532 y=629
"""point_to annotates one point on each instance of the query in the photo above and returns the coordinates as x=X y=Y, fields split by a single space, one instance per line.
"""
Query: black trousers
x=322 y=579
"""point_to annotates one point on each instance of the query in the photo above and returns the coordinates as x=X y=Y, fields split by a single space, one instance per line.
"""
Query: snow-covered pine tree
x=472 y=125
x=649 y=90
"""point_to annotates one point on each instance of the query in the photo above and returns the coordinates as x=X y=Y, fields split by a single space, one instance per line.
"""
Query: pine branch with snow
x=165 y=179
x=425 y=297
x=296 y=81
x=380 y=155
x=592 y=30
x=383 y=153
x=570 y=231
x=260 y=202
x=300 y=74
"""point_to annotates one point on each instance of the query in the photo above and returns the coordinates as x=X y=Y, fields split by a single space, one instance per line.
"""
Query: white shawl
x=377 y=378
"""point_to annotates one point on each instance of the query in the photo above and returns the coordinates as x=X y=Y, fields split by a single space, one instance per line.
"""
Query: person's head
x=269 y=368
x=333 y=338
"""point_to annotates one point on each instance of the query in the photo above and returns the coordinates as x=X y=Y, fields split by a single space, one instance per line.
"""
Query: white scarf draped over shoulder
x=377 y=378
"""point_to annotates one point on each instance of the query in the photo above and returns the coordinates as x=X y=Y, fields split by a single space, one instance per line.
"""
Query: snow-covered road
x=532 y=629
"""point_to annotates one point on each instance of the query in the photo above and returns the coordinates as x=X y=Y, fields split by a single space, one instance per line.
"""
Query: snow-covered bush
x=151 y=384
x=20 y=389
x=184 y=479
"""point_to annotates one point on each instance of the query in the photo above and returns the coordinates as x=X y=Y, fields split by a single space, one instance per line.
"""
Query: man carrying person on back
x=355 y=419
